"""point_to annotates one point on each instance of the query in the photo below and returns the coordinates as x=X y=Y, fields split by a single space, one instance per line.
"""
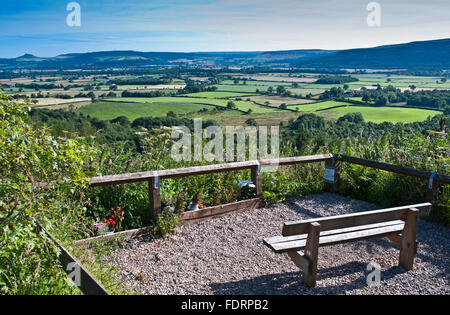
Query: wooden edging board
x=192 y=217
x=81 y=276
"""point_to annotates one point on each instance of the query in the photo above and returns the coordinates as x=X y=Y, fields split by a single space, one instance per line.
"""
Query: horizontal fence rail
x=396 y=169
x=201 y=170
x=331 y=161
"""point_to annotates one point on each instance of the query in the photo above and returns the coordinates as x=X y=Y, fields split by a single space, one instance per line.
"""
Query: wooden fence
x=153 y=178
x=332 y=162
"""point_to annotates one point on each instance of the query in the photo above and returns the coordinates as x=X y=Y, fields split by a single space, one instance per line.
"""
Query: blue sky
x=39 y=26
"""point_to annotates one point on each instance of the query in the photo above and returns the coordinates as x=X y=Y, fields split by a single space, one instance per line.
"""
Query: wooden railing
x=333 y=161
x=153 y=177
x=433 y=178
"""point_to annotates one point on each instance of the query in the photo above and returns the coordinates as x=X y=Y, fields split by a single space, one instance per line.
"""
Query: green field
x=382 y=114
x=241 y=105
x=317 y=106
x=111 y=110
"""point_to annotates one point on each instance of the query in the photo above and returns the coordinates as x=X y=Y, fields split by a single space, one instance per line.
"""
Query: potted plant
x=196 y=201
x=112 y=224
x=106 y=227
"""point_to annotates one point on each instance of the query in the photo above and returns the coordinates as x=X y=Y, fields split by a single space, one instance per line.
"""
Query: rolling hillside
x=433 y=54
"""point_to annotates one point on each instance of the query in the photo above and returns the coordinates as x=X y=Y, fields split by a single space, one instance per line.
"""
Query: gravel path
x=227 y=256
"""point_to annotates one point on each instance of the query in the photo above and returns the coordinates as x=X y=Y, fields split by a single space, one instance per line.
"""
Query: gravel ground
x=227 y=256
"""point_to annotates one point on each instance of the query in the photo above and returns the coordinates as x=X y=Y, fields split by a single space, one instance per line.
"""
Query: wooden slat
x=89 y=242
x=354 y=219
x=201 y=170
x=408 y=241
x=88 y=284
x=395 y=168
x=312 y=253
x=339 y=238
x=154 y=195
x=257 y=180
x=196 y=216
x=281 y=239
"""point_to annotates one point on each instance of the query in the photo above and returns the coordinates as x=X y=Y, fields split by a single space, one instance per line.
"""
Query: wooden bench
x=301 y=239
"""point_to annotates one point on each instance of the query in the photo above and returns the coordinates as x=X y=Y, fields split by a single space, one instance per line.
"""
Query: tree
x=281 y=89
x=366 y=98
x=251 y=122
x=381 y=101
x=171 y=114
x=352 y=117
x=231 y=105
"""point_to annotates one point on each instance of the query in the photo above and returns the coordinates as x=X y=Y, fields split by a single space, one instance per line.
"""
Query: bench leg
x=312 y=254
x=408 y=240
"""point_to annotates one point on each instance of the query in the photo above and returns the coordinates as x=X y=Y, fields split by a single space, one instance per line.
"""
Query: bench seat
x=281 y=244
x=301 y=240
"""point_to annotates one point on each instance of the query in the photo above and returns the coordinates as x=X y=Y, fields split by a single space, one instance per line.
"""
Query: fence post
x=432 y=188
x=155 y=197
x=256 y=179
x=333 y=164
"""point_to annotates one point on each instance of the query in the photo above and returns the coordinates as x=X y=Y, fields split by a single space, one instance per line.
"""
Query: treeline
x=140 y=81
x=156 y=93
x=191 y=87
x=65 y=123
x=436 y=99
x=336 y=80
x=37 y=86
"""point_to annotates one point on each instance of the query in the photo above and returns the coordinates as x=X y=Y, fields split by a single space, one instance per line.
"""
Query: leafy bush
x=28 y=258
x=167 y=222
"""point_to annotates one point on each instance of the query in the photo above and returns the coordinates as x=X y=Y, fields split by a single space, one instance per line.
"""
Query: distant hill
x=108 y=59
x=433 y=54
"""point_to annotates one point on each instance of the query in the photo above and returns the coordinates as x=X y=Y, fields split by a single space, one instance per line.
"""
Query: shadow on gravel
x=350 y=205
x=290 y=283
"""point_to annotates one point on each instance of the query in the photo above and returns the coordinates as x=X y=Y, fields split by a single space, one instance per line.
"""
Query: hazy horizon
x=39 y=27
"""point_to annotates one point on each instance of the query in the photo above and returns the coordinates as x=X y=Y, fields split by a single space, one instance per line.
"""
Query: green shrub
x=167 y=222
x=28 y=258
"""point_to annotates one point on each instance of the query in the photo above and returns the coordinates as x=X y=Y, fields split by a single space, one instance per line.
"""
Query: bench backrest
x=354 y=219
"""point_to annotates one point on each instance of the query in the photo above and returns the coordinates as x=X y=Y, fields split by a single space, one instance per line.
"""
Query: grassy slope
x=382 y=114
x=111 y=110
